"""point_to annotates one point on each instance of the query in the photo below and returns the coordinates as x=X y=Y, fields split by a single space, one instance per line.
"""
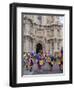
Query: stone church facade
x=42 y=32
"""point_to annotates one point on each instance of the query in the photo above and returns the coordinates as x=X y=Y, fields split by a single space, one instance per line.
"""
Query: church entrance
x=38 y=47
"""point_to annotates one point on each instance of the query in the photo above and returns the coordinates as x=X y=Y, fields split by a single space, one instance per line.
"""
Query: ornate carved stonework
x=44 y=30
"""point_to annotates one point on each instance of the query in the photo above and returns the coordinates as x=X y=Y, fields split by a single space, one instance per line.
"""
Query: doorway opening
x=38 y=47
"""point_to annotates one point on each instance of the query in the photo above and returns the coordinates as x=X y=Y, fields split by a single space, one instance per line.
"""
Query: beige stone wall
x=46 y=30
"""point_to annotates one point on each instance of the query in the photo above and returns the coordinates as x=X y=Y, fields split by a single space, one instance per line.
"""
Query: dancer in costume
x=61 y=60
x=30 y=63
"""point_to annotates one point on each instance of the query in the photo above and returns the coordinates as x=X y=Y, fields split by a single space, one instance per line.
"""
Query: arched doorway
x=38 y=47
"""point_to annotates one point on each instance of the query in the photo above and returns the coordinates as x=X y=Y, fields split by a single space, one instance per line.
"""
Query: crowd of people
x=41 y=58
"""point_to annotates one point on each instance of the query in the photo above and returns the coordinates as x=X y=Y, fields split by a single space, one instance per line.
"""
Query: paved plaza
x=44 y=70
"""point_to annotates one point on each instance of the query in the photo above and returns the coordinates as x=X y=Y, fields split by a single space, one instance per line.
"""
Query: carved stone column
x=34 y=45
x=50 y=47
x=55 y=45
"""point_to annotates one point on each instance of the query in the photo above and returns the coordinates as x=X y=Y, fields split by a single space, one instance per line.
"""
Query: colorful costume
x=30 y=64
